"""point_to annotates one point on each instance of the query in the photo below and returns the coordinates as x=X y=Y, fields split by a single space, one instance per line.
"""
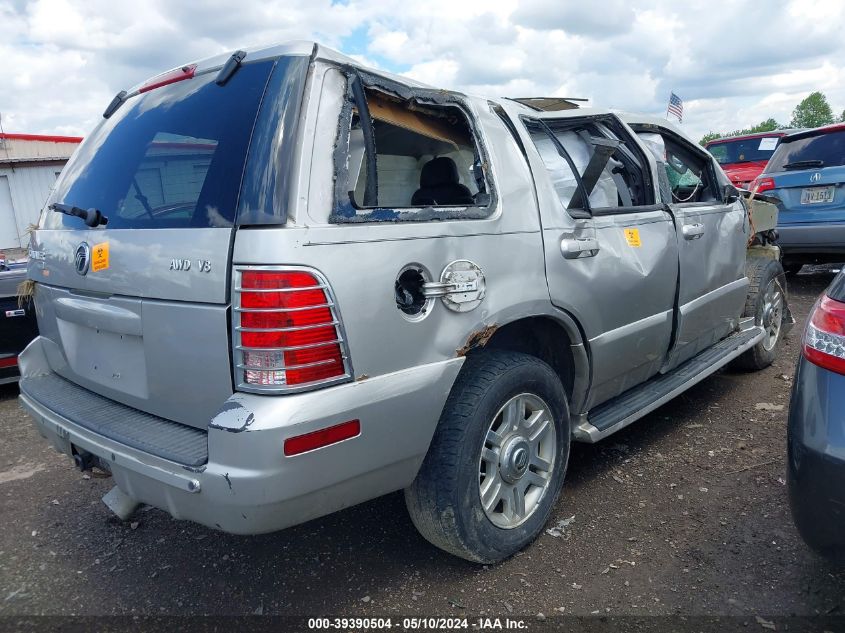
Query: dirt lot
x=683 y=513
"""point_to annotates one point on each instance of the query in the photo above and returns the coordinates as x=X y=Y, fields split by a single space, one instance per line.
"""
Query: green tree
x=813 y=111
x=764 y=126
x=842 y=118
x=710 y=136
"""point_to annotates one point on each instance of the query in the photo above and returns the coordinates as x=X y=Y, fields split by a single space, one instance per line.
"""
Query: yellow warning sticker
x=632 y=236
x=99 y=257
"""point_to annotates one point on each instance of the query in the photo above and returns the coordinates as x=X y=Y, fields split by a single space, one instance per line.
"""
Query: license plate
x=816 y=195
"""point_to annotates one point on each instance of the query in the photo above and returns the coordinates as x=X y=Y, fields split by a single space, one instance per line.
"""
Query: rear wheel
x=766 y=302
x=497 y=460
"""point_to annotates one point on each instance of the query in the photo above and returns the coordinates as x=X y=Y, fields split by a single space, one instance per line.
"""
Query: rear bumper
x=816 y=449
x=9 y=374
x=812 y=238
x=247 y=485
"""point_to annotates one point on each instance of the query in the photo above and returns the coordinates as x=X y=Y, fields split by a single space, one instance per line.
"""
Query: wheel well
x=542 y=337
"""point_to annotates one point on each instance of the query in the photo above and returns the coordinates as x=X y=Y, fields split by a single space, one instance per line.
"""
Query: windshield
x=821 y=150
x=743 y=150
x=169 y=158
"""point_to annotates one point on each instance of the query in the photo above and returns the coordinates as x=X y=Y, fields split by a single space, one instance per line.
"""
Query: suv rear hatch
x=807 y=173
x=743 y=158
x=137 y=310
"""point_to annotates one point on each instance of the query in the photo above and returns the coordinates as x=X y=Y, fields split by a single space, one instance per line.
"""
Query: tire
x=445 y=499
x=818 y=526
x=793 y=268
x=766 y=302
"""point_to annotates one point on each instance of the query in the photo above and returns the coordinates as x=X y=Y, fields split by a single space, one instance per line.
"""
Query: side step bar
x=609 y=417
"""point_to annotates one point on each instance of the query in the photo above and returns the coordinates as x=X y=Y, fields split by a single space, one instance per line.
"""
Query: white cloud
x=606 y=19
x=734 y=63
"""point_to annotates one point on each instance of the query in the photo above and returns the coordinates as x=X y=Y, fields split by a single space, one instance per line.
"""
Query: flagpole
x=668 y=103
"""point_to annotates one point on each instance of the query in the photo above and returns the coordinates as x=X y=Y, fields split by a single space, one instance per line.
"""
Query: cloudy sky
x=734 y=63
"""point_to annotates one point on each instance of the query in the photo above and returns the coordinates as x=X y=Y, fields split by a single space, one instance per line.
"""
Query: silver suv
x=275 y=284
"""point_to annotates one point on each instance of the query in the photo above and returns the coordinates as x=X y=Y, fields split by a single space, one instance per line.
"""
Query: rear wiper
x=802 y=164
x=92 y=217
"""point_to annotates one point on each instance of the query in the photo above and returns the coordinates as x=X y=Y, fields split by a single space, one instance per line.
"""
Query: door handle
x=693 y=231
x=579 y=247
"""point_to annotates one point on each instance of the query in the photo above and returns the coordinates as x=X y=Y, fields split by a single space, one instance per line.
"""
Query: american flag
x=676 y=106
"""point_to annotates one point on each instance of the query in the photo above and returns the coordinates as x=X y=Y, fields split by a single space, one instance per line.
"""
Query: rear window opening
x=815 y=151
x=428 y=163
x=745 y=150
x=591 y=157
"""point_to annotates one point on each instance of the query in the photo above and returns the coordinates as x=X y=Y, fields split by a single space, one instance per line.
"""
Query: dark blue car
x=807 y=174
x=816 y=431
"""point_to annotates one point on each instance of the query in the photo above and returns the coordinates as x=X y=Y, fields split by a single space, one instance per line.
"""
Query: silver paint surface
x=158 y=339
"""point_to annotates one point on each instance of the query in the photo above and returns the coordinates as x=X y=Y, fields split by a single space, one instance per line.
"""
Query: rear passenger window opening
x=595 y=168
x=407 y=156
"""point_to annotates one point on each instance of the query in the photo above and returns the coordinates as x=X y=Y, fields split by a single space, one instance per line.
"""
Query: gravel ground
x=684 y=512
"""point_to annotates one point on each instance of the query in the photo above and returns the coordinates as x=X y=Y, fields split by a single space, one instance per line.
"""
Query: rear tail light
x=10 y=361
x=287 y=331
x=759 y=185
x=824 y=338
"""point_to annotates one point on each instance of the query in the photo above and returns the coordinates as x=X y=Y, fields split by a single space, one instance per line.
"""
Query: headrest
x=439 y=171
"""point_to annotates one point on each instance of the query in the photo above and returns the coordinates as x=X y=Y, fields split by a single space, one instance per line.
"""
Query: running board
x=609 y=417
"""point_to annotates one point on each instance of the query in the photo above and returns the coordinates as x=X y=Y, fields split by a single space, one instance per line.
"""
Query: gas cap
x=461 y=286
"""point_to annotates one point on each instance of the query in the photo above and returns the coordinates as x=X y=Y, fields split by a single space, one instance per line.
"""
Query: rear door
x=611 y=252
x=711 y=235
x=137 y=310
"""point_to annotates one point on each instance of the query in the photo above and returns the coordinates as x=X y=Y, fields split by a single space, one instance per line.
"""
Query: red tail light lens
x=287 y=330
x=759 y=185
x=824 y=338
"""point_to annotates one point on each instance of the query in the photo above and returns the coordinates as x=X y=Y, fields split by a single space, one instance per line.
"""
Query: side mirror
x=730 y=194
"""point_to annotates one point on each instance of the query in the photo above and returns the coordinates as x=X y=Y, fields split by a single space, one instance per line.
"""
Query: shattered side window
x=427 y=163
x=687 y=172
x=608 y=170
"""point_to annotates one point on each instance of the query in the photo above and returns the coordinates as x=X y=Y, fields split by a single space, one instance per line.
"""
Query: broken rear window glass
x=426 y=158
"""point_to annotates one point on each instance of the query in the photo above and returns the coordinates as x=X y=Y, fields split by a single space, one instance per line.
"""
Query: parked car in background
x=743 y=157
x=275 y=284
x=807 y=175
x=17 y=320
x=816 y=431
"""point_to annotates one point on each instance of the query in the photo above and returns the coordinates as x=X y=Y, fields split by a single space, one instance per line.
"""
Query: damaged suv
x=275 y=284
